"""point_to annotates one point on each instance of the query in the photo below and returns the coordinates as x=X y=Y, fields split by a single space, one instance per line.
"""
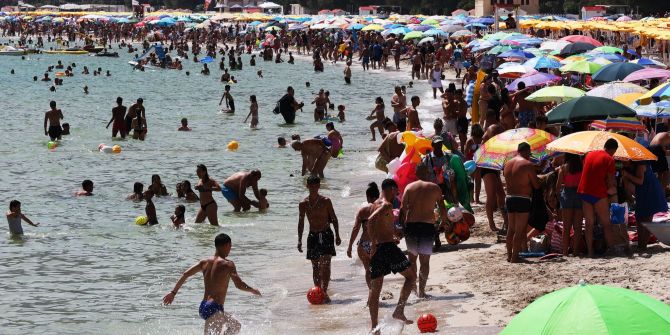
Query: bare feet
x=326 y=299
x=399 y=315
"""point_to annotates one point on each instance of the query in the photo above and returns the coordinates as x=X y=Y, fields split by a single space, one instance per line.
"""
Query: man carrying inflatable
x=287 y=106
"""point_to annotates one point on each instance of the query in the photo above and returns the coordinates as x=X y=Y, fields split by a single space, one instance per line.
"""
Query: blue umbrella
x=356 y=26
x=542 y=63
x=434 y=32
x=166 y=21
x=255 y=23
x=123 y=20
x=422 y=28
x=615 y=71
x=400 y=30
x=484 y=20
x=516 y=53
x=610 y=57
x=206 y=60
x=476 y=25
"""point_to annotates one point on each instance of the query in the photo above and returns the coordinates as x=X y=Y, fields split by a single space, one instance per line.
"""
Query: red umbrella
x=140 y=24
x=582 y=38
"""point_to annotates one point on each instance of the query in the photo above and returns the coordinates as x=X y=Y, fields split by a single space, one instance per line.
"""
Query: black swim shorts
x=388 y=258
x=320 y=244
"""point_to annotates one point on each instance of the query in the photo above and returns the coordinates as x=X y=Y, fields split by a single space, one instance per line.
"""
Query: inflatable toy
x=141 y=220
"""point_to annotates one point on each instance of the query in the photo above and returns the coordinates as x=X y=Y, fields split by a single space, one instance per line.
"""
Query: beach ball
x=233 y=145
x=51 y=145
x=427 y=323
x=455 y=214
x=315 y=295
x=141 y=220
x=116 y=149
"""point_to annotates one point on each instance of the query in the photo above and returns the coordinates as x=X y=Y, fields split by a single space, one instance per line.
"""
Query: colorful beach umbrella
x=542 y=63
x=373 y=27
x=413 y=35
x=628 y=98
x=582 y=39
x=535 y=79
x=499 y=149
x=628 y=124
x=615 y=71
x=512 y=71
x=661 y=92
x=647 y=62
x=608 y=49
x=555 y=93
x=588 y=108
x=585 y=141
x=434 y=32
x=461 y=33
x=657 y=110
x=516 y=54
x=593 y=310
x=614 y=89
x=581 y=67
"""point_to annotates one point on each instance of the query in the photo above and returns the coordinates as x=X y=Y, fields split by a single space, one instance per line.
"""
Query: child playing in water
x=230 y=103
x=14 y=217
x=281 y=142
x=150 y=208
x=178 y=217
x=263 y=201
x=378 y=115
x=340 y=112
x=253 y=112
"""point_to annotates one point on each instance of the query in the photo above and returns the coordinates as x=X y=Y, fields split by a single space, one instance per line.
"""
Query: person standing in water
x=118 y=115
x=14 y=217
x=208 y=206
x=253 y=112
x=217 y=272
x=335 y=139
x=133 y=110
x=52 y=118
x=364 y=244
x=320 y=241
x=230 y=103
x=386 y=256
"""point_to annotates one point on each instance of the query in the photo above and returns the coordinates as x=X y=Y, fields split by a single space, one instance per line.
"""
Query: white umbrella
x=426 y=40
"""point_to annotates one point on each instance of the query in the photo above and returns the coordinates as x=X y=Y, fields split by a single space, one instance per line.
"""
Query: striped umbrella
x=629 y=124
x=661 y=92
x=581 y=142
x=614 y=89
x=499 y=149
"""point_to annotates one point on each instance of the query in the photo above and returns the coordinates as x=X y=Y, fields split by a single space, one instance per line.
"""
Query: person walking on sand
x=217 y=272
x=52 y=118
x=418 y=212
x=521 y=178
x=208 y=206
x=361 y=221
x=386 y=256
x=320 y=241
x=235 y=187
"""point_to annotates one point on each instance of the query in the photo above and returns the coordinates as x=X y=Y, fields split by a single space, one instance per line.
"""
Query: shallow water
x=89 y=267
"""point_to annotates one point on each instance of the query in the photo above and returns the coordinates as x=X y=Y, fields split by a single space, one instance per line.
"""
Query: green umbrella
x=555 y=93
x=498 y=49
x=606 y=49
x=588 y=108
x=413 y=35
x=430 y=22
x=592 y=310
x=581 y=66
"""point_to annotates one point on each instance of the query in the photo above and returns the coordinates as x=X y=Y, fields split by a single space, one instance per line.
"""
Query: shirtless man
x=336 y=140
x=484 y=97
x=315 y=155
x=320 y=242
x=217 y=271
x=526 y=108
x=235 y=187
x=386 y=256
x=399 y=104
x=521 y=179
x=413 y=122
x=208 y=206
x=416 y=66
x=321 y=106
x=462 y=123
x=86 y=188
x=135 y=108
x=450 y=117
x=389 y=148
x=658 y=146
x=418 y=213
x=53 y=117
x=118 y=115
x=361 y=221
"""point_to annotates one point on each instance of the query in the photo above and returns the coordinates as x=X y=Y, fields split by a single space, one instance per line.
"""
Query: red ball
x=427 y=323
x=315 y=295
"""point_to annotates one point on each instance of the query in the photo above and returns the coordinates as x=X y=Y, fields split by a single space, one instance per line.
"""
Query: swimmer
x=118 y=115
x=184 y=125
x=14 y=218
x=340 y=113
x=11 y=72
x=138 y=192
x=230 y=103
x=217 y=272
x=66 y=129
x=263 y=203
x=225 y=77
x=260 y=73
x=208 y=206
x=85 y=89
x=150 y=208
x=34 y=78
x=281 y=142
x=307 y=84
x=108 y=74
x=235 y=187
x=86 y=188
x=253 y=112
x=178 y=216
x=52 y=88
x=46 y=77
x=157 y=186
x=186 y=192
x=52 y=118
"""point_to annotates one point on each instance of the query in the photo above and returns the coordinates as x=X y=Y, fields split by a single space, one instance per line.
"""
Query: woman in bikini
x=364 y=244
x=208 y=206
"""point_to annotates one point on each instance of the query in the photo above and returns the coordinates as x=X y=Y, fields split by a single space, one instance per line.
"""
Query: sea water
x=88 y=268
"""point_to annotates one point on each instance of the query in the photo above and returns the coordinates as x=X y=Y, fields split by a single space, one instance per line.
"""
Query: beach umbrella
x=462 y=33
x=272 y=28
x=542 y=63
x=624 y=19
x=553 y=45
x=413 y=35
x=400 y=31
x=647 y=74
x=373 y=27
x=555 y=93
x=421 y=28
x=658 y=110
x=628 y=124
x=356 y=26
x=426 y=40
x=573 y=58
x=588 y=108
x=452 y=28
x=517 y=54
x=296 y=26
x=500 y=148
x=581 y=67
x=430 y=22
x=484 y=20
x=628 y=98
x=616 y=71
x=600 y=61
x=582 y=39
x=535 y=79
x=434 y=32
x=576 y=48
x=483 y=45
x=593 y=310
x=660 y=92
x=582 y=142
x=499 y=49
x=607 y=49
x=647 y=62
x=608 y=56
x=475 y=25
x=512 y=71
x=614 y=89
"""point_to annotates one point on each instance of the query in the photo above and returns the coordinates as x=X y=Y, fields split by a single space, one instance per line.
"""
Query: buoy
x=60 y=74
x=427 y=323
x=233 y=145
x=116 y=149
x=141 y=220
x=51 y=145
x=315 y=295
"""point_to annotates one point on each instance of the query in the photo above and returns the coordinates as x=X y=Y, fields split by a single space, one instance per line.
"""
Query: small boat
x=661 y=230
x=107 y=54
x=66 y=52
x=93 y=49
x=11 y=51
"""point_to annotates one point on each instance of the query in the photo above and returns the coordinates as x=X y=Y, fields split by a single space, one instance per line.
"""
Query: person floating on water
x=184 y=125
x=52 y=118
x=235 y=187
x=14 y=218
x=217 y=272
x=86 y=188
x=320 y=241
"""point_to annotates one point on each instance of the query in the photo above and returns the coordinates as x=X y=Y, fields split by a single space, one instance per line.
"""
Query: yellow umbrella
x=374 y=27
x=583 y=142
x=628 y=98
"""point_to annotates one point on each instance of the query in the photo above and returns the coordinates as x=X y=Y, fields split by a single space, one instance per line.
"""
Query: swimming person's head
x=138 y=188
x=281 y=141
x=186 y=187
x=372 y=193
x=87 y=185
x=330 y=126
x=119 y=101
x=14 y=205
x=222 y=243
x=156 y=180
x=184 y=122
x=179 y=211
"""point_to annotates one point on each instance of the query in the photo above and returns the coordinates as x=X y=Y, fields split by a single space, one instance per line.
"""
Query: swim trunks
x=231 y=105
x=388 y=258
x=485 y=171
x=366 y=245
x=228 y=193
x=119 y=126
x=517 y=204
x=525 y=117
x=209 y=308
x=320 y=244
x=419 y=237
x=55 y=132
x=589 y=198
x=347 y=80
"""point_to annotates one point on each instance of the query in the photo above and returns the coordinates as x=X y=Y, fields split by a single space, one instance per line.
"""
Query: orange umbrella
x=584 y=141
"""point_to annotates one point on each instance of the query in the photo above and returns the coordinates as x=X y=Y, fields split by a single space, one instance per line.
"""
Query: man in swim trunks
x=217 y=271
x=135 y=108
x=321 y=105
x=595 y=187
x=230 y=103
x=315 y=155
x=386 y=256
x=399 y=104
x=235 y=187
x=418 y=213
x=526 y=109
x=413 y=122
x=118 y=115
x=320 y=241
x=335 y=139
x=521 y=179
x=53 y=117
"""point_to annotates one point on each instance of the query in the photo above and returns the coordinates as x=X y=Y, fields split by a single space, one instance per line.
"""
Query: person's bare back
x=518 y=174
x=216 y=276
x=419 y=201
